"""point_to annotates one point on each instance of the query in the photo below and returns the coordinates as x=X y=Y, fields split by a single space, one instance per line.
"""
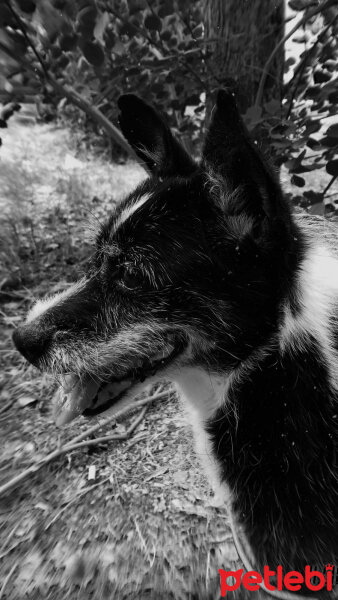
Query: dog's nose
x=32 y=341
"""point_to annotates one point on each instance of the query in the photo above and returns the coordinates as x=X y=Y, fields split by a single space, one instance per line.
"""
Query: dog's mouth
x=89 y=396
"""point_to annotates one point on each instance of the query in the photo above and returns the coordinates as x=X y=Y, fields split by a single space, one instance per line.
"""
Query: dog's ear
x=151 y=138
x=230 y=155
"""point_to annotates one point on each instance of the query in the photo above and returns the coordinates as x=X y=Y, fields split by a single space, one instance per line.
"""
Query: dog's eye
x=132 y=278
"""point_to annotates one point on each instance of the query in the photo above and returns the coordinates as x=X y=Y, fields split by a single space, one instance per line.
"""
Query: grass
x=145 y=526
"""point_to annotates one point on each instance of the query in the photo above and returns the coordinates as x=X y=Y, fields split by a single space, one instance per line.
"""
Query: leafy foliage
x=157 y=49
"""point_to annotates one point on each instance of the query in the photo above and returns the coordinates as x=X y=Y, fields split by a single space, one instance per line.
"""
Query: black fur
x=278 y=451
x=210 y=260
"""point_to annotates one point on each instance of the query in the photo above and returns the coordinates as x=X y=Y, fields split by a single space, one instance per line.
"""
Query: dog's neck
x=273 y=415
x=204 y=394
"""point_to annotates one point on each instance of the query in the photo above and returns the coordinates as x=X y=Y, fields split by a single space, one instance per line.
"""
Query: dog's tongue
x=73 y=397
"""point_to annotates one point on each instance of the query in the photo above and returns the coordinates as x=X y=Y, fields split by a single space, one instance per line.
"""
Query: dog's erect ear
x=230 y=155
x=151 y=138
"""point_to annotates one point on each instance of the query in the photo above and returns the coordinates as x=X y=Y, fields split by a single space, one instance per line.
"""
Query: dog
x=204 y=276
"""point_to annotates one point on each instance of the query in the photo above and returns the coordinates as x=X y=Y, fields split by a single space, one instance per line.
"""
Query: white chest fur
x=202 y=394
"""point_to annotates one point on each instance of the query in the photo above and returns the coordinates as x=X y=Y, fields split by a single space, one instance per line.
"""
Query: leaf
x=332 y=167
x=253 y=116
x=6 y=17
x=136 y=5
x=193 y=100
x=68 y=42
x=313 y=143
x=198 y=31
x=51 y=19
x=62 y=61
x=289 y=63
x=273 y=107
x=295 y=163
x=317 y=209
x=313 y=197
x=312 y=127
x=333 y=97
x=332 y=131
x=329 y=142
x=166 y=9
x=153 y=23
x=320 y=76
x=301 y=39
x=93 y=53
x=27 y=6
x=87 y=15
x=100 y=26
x=298 y=181
x=119 y=48
x=166 y=35
x=300 y=4
x=26 y=400
x=313 y=91
x=128 y=29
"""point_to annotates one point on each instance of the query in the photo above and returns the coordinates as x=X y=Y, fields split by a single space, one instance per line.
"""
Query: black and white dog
x=203 y=276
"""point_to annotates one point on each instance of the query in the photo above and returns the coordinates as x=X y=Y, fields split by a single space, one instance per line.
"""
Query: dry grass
x=145 y=527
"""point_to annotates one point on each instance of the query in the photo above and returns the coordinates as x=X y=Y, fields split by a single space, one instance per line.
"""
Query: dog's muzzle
x=86 y=393
x=88 y=396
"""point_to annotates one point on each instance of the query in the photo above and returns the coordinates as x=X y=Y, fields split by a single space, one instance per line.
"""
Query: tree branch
x=281 y=43
x=334 y=177
x=65 y=91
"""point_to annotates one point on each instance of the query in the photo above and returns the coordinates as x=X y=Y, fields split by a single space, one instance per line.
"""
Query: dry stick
x=6 y=406
x=7 y=579
x=334 y=177
x=112 y=437
x=12 y=483
x=116 y=415
x=281 y=43
x=9 y=537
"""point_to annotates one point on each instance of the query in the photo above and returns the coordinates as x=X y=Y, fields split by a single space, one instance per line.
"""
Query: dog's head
x=189 y=270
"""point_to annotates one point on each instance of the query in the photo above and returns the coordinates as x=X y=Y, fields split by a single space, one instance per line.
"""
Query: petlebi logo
x=313 y=579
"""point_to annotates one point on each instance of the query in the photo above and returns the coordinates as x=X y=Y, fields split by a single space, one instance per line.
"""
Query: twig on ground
x=7 y=579
x=138 y=438
x=15 y=295
x=118 y=414
x=144 y=545
x=74 y=443
x=9 y=537
x=79 y=495
x=112 y=437
x=6 y=406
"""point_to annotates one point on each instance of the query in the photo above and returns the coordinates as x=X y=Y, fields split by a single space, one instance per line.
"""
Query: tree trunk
x=241 y=35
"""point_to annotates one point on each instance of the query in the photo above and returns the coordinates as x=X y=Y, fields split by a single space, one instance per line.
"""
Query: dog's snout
x=32 y=341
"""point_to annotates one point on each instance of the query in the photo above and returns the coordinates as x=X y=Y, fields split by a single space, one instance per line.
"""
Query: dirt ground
x=127 y=519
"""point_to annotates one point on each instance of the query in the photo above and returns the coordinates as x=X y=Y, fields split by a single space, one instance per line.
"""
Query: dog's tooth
x=68 y=382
